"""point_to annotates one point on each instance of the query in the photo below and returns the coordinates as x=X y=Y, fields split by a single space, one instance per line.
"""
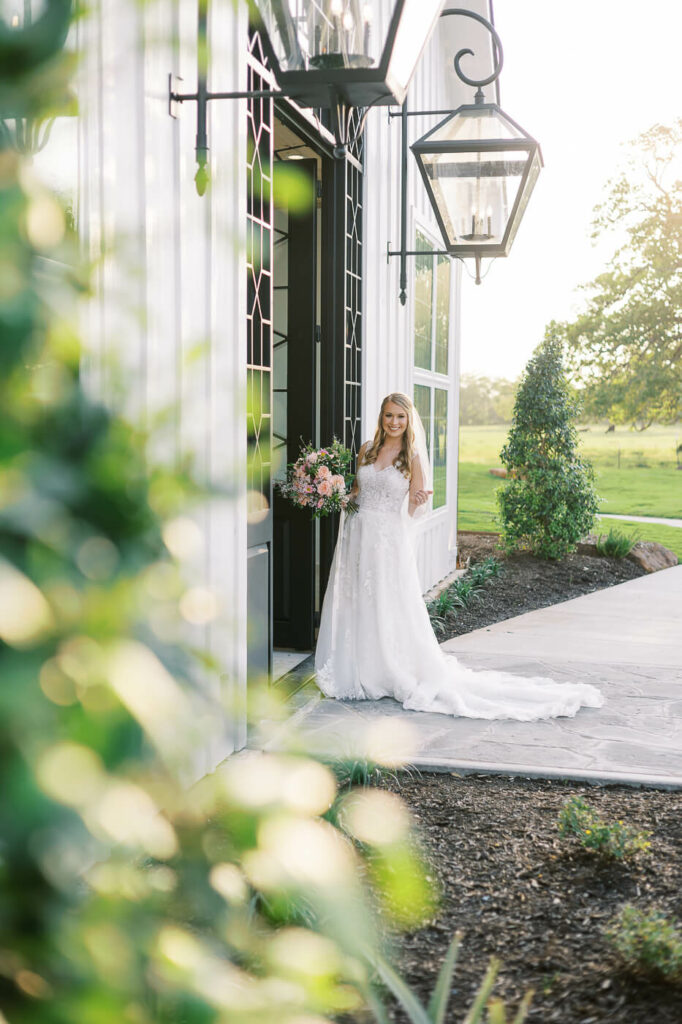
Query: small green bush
x=613 y=841
x=548 y=502
x=648 y=943
x=615 y=544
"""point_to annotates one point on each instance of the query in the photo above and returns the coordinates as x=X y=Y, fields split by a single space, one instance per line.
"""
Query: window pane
x=422 y=403
x=442 y=313
x=423 y=304
x=440 y=443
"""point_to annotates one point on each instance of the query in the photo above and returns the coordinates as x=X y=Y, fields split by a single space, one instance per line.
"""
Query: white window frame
x=431 y=378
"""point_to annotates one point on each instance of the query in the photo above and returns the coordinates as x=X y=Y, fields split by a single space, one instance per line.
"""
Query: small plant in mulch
x=610 y=840
x=648 y=943
x=615 y=544
x=462 y=592
x=358 y=771
x=483 y=1009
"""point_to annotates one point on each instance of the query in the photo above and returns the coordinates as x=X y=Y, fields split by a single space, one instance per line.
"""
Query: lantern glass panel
x=476 y=125
x=535 y=167
x=475 y=192
x=324 y=34
x=385 y=36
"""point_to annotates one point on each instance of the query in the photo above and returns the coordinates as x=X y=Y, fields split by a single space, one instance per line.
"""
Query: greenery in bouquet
x=319 y=479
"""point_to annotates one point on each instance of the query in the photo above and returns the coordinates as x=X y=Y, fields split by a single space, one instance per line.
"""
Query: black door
x=294 y=403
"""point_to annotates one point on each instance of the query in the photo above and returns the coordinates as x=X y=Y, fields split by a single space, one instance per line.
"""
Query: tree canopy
x=485 y=400
x=625 y=348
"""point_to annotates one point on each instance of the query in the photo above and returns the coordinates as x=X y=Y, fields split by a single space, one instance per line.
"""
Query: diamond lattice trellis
x=259 y=276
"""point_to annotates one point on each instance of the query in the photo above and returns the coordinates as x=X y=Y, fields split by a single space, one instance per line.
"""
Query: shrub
x=613 y=841
x=615 y=544
x=548 y=502
x=648 y=943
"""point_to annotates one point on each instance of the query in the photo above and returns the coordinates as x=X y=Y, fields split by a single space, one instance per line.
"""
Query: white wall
x=168 y=320
x=388 y=345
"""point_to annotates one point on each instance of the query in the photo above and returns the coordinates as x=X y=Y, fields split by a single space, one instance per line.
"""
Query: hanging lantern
x=356 y=52
x=479 y=168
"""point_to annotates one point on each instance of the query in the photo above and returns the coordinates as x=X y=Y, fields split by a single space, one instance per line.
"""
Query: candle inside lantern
x=336 y=10
x=367 y=19
x=348 y=25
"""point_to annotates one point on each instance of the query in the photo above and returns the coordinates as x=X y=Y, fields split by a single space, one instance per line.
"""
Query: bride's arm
x=355 y=489
x=418 y=494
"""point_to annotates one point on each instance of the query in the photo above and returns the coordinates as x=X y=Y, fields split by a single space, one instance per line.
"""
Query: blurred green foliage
x=261 y=893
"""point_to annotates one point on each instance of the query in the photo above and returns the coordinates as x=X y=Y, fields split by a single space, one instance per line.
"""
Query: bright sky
x=582 y=78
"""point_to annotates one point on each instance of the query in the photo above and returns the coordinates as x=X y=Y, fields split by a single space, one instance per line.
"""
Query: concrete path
x=627 y=640
x=643 y=519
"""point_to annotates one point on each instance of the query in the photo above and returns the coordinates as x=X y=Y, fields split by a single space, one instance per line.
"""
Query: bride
x=375 y=636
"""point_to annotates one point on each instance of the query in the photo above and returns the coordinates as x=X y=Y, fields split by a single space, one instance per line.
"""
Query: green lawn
x=623 y=448
x=653 y=487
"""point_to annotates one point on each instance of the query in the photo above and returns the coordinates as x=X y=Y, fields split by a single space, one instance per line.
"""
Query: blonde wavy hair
x=403 y=460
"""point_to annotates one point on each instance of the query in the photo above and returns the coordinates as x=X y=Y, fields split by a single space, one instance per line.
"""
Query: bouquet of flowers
x=319 y=480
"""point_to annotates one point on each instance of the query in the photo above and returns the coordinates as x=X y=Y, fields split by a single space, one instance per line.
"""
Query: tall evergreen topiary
x=549 y=501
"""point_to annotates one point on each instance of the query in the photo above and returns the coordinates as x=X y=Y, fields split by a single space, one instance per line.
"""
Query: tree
x=625 y=348
x=485 y=400
x=548 y=502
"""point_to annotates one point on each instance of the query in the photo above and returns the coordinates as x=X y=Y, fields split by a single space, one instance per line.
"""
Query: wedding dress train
x=375 y=637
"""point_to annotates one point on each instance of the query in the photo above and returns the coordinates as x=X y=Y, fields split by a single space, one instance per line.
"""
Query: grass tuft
x=616 y=544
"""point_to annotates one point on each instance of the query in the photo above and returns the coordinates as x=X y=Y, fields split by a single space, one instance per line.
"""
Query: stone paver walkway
x=642 y=519
x=627 y=640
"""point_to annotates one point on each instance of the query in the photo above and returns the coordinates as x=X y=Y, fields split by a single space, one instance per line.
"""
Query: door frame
x=340 y=349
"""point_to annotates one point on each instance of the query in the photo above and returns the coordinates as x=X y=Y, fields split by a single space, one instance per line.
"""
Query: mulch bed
x=517 y=890
x=528 y=582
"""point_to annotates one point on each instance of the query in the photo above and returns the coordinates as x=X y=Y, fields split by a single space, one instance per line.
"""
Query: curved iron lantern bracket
x=404 y=113
x=340 y=110
x=498 y=53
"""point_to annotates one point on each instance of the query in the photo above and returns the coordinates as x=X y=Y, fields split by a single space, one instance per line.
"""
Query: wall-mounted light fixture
x=27 y=43
x=332 y=54
x=479 y=168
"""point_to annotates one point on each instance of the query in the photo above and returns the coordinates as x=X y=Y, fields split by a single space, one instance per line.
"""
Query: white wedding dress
x=375 y=637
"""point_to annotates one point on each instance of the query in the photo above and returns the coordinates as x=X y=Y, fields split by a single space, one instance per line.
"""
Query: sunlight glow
x=375 y=817
x=25 y=616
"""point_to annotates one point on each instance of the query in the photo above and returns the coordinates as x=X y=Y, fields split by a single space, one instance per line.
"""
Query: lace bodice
x=383 y=490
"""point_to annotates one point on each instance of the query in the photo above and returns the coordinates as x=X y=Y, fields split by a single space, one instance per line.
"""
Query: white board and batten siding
x=168 y=320
x=169 y=317
x=388 y=337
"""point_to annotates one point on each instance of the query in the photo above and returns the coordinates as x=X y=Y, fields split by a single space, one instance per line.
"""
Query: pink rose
x=338 y=483
x=325 y=487
x=312 y=458
x=324 y=473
